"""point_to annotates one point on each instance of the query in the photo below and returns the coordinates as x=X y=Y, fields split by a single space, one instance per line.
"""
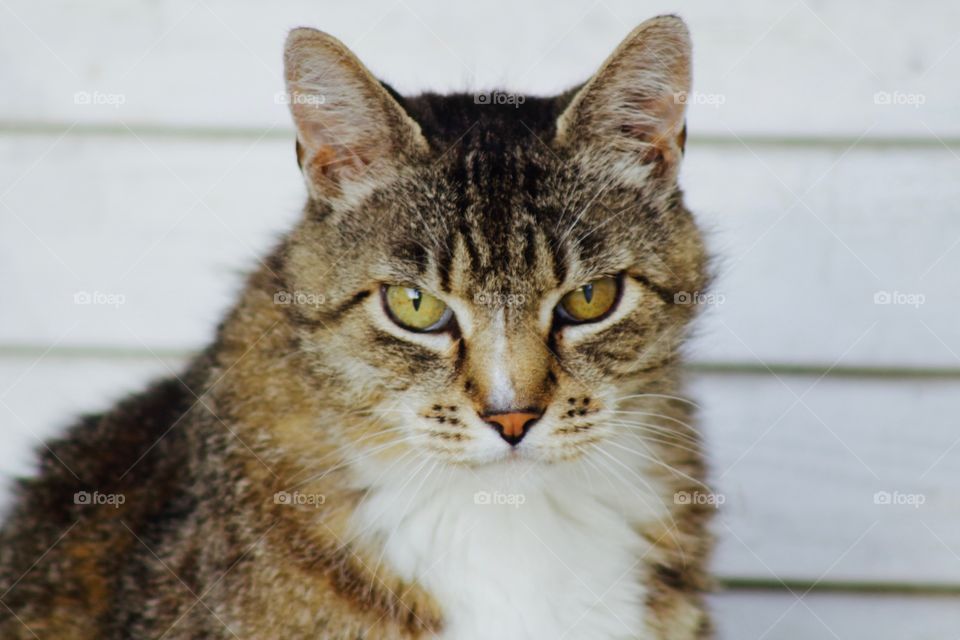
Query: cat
x=446 y=406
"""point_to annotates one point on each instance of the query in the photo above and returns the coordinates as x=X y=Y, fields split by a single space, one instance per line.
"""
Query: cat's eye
x=416 y=310
x=591 y=302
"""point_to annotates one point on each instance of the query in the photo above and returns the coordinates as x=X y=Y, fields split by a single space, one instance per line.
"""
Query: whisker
x=406 y=511
x=673 y=528
x=383 y=545
x=676 y=445
x=646 y=484
x=596 y=465
x=369 y=492
x=658 y=395
x=366 y=454
x=663 y=428
x=653 y=458
x=653 y=414
x=582 y=467
x=653 y=428
x=348 y=445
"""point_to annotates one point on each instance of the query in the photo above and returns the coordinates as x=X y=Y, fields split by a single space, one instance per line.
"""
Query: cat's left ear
x=352 y=135
x=634 y=106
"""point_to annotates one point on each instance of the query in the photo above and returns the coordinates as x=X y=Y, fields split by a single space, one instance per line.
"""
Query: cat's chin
x=522 y=458
x=514 y=458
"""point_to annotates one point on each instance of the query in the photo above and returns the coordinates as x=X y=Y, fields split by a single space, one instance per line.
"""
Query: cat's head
x=487 y=277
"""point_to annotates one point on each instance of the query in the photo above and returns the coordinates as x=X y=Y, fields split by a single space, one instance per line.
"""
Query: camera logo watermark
x=715 y=100
x=899 y=298
x=500 y=98
x=896 y=498
x=698 y=297
x=899 y=98
x=99 y=98
x=97 y=499
x=299 y=298
x=499 y=299
x=311 y=99
x=297 y=499
x=114 y=300
x=697 y=497
x=497 y=498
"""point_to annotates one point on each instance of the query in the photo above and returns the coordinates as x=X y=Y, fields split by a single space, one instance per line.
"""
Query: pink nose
x=513 y=425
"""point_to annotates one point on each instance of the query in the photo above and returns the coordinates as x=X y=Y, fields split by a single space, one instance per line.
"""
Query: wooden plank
x=797 y=279
x=798 y=480
x=839 y=480
x=770 y=68
x=154 y=234
x=833 y=256
x=772 y=615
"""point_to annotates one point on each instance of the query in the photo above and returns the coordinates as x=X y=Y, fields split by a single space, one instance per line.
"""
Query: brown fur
x=463 y=199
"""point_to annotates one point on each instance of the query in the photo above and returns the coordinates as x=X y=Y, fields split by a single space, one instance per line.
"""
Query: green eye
x=414 y=309
x=590 y=302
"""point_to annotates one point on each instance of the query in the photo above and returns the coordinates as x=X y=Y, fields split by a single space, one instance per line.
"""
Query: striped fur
x=310 y=390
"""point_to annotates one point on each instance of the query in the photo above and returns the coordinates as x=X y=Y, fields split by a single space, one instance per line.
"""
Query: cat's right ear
x=352 y=135
x=630 y=115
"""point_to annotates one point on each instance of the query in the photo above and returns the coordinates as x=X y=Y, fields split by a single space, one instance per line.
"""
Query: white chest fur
x=549 y=559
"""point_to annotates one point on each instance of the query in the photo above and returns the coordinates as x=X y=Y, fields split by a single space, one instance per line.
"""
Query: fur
x=321 y=472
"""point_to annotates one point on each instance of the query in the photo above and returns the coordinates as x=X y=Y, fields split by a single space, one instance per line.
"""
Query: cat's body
x=323 y=472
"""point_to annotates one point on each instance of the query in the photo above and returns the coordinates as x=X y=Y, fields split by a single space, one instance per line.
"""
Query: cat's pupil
x=588 y=292
x=415 y=297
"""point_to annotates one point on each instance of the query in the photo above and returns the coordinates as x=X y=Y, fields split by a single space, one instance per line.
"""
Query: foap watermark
x=899 y=99
x=297 y=499
x=497 y=498
x=896 y=498
x=715 y=100
x=699 y=497
x=899 y=298
x=97 y=499
x=698 y=297
x=499 y=299
x=499 y=97
x=310 y=99
x=99 y=98
x=114 y=300
x=299 y=298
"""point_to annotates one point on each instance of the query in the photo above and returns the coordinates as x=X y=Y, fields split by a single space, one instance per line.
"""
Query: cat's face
x=496 y=280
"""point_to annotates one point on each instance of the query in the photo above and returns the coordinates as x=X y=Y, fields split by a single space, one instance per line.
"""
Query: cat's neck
x=512 y=546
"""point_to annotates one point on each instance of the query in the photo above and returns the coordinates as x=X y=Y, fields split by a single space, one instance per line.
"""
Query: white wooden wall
x=143 y=154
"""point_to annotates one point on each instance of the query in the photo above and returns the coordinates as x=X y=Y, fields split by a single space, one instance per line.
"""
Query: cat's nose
x=513 y=425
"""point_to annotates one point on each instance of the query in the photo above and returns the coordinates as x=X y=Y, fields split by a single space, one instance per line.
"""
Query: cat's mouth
x=560 y=430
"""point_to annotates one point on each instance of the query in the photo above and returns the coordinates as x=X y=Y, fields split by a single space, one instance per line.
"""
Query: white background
x=146 y=159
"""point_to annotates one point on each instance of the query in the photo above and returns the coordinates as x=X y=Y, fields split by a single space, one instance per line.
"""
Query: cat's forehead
x=499 y=211
x=494 y=226
x=481 y=243
x=491 y=120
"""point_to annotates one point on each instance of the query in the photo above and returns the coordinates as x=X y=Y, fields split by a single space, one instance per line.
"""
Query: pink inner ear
x=656 y=120
x=347 y=122
x=635 y=103
x=331 y=156
x=335 y=162
x=658 y=123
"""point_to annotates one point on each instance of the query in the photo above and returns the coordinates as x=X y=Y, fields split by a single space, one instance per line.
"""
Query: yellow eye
x=414 y=309
x=590 y=302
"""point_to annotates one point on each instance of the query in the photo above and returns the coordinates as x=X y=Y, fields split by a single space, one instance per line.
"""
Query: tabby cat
x=447 y=406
